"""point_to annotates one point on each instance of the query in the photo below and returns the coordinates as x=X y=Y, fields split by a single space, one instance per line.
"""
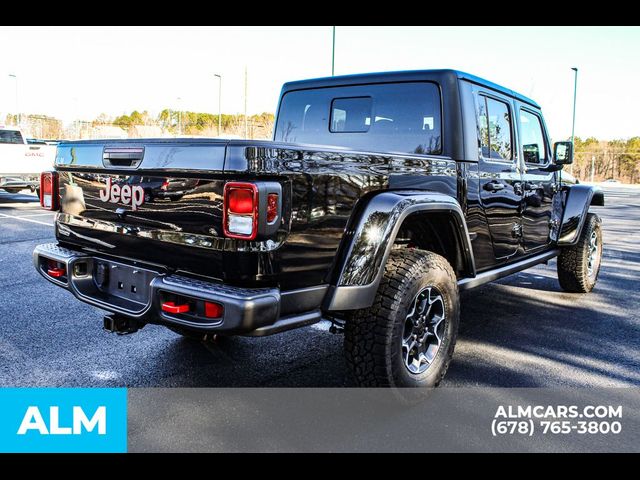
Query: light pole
x=219 y=102
x=15 y=77
x=573 y=123
x=333 y=52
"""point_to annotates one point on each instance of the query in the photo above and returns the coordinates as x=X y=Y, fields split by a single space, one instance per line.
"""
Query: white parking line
x=37 y=215
x=3 y=215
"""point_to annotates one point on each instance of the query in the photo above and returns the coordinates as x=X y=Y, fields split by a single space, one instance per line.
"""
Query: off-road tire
x=373 y=336
x=573 y=261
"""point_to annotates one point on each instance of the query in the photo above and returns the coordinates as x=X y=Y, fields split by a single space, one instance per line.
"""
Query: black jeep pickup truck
x=380 y=197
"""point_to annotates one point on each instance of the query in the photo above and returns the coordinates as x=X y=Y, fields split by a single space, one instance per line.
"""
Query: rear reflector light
x=56 y=272
x=171 y=307
x=213 y=310
x=56 y=269
x=240 y=211
x=272 y=207
x=49 y=192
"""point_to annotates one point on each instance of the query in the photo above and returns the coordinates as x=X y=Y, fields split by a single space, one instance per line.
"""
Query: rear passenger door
x=538 y=183
x=499 y=170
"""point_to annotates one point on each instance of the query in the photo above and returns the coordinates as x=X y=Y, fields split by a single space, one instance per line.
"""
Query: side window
x=532 y=138
x=10 y=136
x=499 y=130
x=483 y=126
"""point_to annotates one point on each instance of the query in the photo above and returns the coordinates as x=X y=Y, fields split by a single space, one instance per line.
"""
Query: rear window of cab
x=393 y=118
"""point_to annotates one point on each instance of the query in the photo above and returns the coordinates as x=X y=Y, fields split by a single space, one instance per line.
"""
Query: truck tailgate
x=145 y=200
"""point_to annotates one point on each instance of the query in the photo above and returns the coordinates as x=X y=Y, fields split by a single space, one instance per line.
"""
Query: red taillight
x=240 y=210
x=165 y=185
x=213 y=310
x=240 y=201
x=49 y=191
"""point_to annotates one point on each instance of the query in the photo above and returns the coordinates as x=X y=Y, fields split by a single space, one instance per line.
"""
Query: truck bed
x=320 y=188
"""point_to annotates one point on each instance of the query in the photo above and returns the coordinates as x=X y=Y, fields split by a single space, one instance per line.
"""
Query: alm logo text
x=34 y=421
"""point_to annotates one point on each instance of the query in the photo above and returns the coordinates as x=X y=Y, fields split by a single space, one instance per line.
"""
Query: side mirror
x=563 y=153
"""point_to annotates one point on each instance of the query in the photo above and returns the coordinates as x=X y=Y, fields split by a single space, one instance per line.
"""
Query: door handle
x=493 y=186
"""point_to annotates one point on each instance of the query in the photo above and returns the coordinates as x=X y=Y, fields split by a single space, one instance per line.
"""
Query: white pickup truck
x=22 y=162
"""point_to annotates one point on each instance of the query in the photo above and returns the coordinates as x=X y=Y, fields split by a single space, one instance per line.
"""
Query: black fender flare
x=578 y=199
x=369 y=239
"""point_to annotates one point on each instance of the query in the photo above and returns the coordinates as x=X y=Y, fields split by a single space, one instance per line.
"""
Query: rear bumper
x=138 y=291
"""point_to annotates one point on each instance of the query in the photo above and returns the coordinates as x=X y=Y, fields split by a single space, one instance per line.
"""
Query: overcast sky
x=64 y=71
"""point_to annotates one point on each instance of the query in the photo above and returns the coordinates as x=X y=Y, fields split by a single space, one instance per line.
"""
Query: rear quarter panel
x=327 y=189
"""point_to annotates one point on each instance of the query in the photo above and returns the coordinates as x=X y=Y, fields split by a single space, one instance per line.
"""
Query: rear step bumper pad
x=245 y=309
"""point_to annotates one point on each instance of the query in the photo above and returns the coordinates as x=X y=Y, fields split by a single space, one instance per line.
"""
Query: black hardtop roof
x=440 y=76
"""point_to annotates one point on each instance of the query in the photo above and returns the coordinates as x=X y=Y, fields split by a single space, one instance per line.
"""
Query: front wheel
x=407 y=337
x=579 y=264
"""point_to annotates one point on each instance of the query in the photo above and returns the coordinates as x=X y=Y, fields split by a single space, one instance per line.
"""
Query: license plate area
x=130 y=283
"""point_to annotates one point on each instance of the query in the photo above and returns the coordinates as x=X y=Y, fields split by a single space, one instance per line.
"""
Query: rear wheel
x=579 y=265
x=407 y=337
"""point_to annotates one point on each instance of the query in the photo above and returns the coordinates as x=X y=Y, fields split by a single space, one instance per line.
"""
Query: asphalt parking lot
x=520 y=332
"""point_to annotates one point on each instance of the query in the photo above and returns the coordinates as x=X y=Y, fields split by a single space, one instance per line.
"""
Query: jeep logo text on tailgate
x=126 y=194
